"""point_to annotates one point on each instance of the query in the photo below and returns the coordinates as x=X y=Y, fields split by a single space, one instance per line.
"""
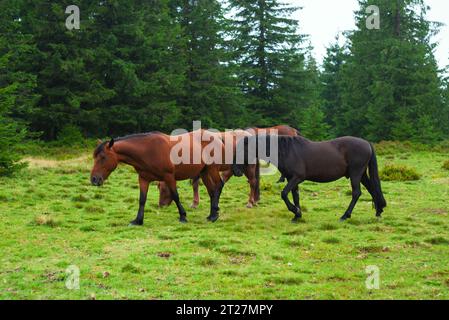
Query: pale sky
x=324 y=19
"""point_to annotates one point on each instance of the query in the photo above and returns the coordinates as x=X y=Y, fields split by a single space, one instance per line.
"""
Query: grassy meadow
x=51 y=218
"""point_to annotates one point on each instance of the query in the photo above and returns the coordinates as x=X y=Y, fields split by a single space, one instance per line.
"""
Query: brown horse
x=151 y=156
x=252 y=172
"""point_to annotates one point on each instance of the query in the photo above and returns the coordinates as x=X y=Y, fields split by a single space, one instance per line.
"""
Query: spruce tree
x=17 y=85
x=269 y=56
x=134 y=62
x=312 y=117
x=11 y=132
x=331 y=84
x=391 y=88
x=210 y=88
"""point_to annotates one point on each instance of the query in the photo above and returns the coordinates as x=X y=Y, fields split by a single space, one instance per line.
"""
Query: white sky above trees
x=324 y=19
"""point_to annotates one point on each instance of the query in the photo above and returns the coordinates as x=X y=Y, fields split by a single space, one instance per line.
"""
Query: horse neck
x=126 y=153
x=303 y=140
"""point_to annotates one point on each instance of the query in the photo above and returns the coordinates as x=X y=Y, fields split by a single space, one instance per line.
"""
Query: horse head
x=105 y=161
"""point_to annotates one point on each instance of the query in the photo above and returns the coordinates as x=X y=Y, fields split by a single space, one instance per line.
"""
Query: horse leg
x=226 y=176
x=367 y=184
x=295 y=194
x=281 y=179
x=252 y=180
x=144 y=184
x=214 y=185
x=356 y=193
x=171 y=183
x=292 y=184
x=196 y=194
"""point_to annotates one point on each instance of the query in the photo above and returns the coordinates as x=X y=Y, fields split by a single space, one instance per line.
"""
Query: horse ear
x=111 y=143
x=99 y=142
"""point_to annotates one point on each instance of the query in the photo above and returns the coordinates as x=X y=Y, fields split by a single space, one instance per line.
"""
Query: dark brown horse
x=252 y=172
x=300 y=159
x=151 y=156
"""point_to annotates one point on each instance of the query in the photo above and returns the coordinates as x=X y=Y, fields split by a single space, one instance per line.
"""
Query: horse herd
x=298 y=160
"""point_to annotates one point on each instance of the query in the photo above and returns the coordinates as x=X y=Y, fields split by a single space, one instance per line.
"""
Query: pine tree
x=444 y=119
x=312 y=121
x=11 y=132
x=391 y=88
x=134 y=61
x=210 y=89
x=17 y=86
x=331 y=84
x=269 y=56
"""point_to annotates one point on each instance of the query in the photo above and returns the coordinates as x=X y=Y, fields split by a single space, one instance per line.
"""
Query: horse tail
x=378 y=197
x=257 y=195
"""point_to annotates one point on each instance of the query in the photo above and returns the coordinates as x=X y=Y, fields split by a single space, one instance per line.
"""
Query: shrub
x=399 y=173
x=442 y=146
x=70 y=135
x=396 y=147
x=446 y=165
x=11 y=135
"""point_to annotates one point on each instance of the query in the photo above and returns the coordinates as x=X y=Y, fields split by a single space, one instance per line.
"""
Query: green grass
x=51 y=218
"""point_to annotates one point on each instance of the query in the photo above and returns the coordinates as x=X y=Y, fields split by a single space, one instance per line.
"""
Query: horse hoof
x=296 y=220
x=135 y=224
x=249 y=205
x=183 y=220
x=213 y=218
x=194 y=206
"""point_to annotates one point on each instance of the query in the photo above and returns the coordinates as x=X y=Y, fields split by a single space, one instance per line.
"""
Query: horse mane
x=136 y=135
x=100 y=147
x=286 y=144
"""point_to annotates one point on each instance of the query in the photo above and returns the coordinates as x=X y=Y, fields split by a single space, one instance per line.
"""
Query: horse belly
x=187 y=171
x=327 y=170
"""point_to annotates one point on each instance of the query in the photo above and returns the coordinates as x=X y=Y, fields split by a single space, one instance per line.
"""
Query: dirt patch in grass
x=371 y=249
x=46 y=220
x=439 y=211
x=54 y=276
x=47 y=163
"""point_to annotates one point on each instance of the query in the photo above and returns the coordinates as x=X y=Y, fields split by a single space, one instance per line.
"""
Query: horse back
x=356 y=151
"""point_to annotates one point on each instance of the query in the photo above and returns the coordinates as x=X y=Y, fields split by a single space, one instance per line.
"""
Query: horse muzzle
x=236 y=170
x=97 y=181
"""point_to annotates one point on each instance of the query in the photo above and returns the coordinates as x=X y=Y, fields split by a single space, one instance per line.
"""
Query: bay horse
x=252 y=172
x=150 y=155
x=300 y=159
